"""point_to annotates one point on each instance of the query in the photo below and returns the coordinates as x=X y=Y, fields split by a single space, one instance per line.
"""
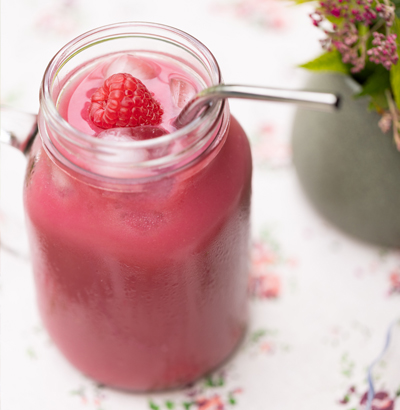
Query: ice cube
x=135 y=155
x=144 y=132
x=140 y=68
x=116 y=134
x=182 y=90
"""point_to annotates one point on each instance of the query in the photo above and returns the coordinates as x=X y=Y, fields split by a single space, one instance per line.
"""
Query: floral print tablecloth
x=323 y=306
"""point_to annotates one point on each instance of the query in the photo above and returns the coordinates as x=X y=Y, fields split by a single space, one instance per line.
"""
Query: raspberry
x=124 y=101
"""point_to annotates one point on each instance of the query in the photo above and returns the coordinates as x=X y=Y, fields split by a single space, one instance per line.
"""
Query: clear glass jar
x=140 y=249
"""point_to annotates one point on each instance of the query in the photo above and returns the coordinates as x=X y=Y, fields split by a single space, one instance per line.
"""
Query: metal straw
x=209 y=96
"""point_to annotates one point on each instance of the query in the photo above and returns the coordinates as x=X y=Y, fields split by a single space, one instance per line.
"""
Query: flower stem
x=395 y=118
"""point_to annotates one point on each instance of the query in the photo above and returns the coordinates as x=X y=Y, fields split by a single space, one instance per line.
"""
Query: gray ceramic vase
x=347 y=167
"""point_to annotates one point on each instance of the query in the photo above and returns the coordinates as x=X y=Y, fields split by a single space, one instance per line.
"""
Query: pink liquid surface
x=143 y=290
x=163 y=78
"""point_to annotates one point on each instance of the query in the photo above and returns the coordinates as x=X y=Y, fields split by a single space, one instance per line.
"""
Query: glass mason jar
x=140 y=248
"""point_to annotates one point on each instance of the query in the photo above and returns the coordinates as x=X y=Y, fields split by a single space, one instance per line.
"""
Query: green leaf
x=378 y=103
x=375 y=86
x=214 y=381
x=169 y=404
x=397 y=5
x=363 y=76
x=153 y=406
x=257 y=335
x=377 y=82
x=333 y=19
x=232 y=400
x=395 y=69
x=329 y=61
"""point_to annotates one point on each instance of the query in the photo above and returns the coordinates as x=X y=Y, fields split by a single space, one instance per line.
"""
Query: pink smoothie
x=142 y=290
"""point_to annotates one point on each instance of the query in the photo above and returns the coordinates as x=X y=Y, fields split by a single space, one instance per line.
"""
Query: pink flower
x=385 y=122
x=395 y=282
x=348 y=395
x=385 y=50
x=215 y=403
x=267 y=286
x=381 y=401
x=345 y=36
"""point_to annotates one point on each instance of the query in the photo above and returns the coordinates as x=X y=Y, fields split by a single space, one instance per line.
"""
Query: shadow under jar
x=139 y=248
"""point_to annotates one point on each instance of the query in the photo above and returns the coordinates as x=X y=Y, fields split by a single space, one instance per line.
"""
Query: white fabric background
x=327 y=300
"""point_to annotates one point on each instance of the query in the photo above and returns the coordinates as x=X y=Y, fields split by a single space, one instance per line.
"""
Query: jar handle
x=18 y=128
